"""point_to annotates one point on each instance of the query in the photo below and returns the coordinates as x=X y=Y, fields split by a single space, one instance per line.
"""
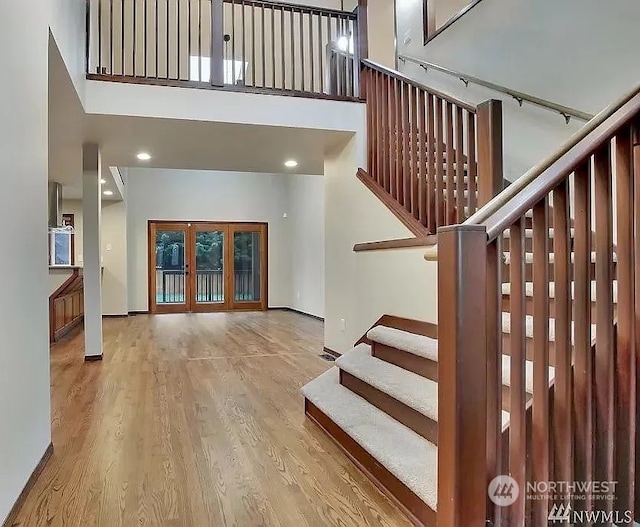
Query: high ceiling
x=179 y=144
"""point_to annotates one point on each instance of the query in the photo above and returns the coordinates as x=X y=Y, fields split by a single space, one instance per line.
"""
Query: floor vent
x=327 y=357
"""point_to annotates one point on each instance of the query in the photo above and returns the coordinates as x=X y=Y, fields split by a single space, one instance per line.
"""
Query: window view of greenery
x=209 y=266
x=209 y=250
x=170 y=276
x=246 y=260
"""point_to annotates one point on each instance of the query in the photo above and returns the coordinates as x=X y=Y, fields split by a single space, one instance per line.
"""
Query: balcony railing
x=209 y=286
x=246 y=45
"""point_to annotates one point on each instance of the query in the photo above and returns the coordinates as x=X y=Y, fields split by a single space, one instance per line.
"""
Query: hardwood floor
x=196 y=420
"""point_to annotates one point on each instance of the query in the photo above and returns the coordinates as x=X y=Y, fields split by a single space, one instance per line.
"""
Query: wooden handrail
x=519 y=197
x=297 y=7
x=532 y=174
x=536 y=277
x=432 y=159
x=65 y=285
x=565 y=111
x=558 y=171
x=411 y=82
x=399 y=243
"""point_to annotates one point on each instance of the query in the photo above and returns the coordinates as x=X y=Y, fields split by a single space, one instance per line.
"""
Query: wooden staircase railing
x=260 y=46
x=66 y=306
x=431 y=157
x=579 y=422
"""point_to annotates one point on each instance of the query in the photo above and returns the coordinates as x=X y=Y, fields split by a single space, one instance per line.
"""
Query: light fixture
x=345 y=43
x=103 y=181
x=108 y=192
x=143 y=156
x=291 y=163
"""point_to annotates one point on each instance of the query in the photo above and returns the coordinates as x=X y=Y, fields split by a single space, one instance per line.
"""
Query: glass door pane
x=171 y=267
x=209 y=256
x=248 y=266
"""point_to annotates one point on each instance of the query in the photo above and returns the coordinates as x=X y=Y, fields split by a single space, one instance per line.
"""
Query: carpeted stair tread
x=410 y=342
x=528 y=288
x=506 y=327
x=528 y=374
x=528 y=233
x=528 y=257
x=404 y=453
x=409 y=388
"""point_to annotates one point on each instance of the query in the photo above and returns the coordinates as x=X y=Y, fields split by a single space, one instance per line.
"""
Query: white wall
x=576 y=53
x=25 y=425
x=156 y=194
x=114 y=258
x=114 y=251
x=530 y=133
x=579 y=53
x=361 y=287
x=113 y=98
x=57 y=277
x=381 y=32
x=306 y=246
x=67 y=23
x=296 y=243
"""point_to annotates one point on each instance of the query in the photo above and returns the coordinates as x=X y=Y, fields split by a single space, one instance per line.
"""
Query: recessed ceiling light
x=143 y=156
x=291 y=163
x=108 y=193
x=103 y=181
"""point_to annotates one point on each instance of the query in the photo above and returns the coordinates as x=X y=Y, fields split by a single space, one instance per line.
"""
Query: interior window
x=200 y=69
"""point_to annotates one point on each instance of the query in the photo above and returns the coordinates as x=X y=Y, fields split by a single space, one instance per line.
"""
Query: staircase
x=380 y=401
x=380 y=404
x=531 y=372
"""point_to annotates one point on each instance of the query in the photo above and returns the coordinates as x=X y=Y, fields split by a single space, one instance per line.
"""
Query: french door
x=205 y=266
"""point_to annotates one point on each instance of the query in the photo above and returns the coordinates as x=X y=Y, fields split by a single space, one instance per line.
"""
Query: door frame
x=194 y=306
x=154 y=307
x=261 y=305
x=190 y=281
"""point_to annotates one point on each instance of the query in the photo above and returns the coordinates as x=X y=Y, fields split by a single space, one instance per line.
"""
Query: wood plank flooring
x=196 y=420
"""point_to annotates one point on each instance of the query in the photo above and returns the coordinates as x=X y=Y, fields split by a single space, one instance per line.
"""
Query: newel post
x=490 y=171
x=462 y=379
x=361 y=47
x=362 y=44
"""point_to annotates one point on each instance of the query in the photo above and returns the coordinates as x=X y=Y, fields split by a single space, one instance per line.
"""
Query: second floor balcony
x=240 y=45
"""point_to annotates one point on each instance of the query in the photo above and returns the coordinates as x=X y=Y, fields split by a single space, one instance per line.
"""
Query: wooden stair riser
x=506 y=398
x=506 y=339
x=418 y=365
x=408 y=361
x=398 y=492
x=402 y=413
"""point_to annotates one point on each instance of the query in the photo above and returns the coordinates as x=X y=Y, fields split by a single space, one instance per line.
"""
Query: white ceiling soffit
x=179 y=144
